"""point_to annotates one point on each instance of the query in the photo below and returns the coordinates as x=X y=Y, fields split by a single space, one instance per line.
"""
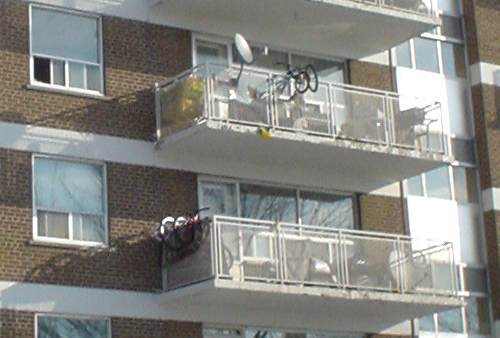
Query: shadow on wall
x=131 y=115
x=132 y=262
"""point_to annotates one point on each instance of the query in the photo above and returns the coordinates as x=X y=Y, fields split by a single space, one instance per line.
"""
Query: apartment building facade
x=367 y=208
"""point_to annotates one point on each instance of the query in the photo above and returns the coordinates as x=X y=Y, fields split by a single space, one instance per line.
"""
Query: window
x=211 y=52
x=69 y=201
x=437 y=183
x=453 y=60
x=426 y=57
x=65 y=50
x=477 y=314
x=218 y=53
x=440 y=50
x=277 y=204
x=403 y=55
x=450 y=321
x=62 y=327
x=465 y=186
x=415 y=186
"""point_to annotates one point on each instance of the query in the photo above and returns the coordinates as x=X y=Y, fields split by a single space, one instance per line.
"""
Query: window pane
x=415 y=186
x=211 y=52
x=426 y=57
x=453 y=59
x=88 y=228
x=327 y=70
x=477 y=314
x=65 y=35
x=427 y=323
x=69 y=186
x=76 y=75
x=450 y=321
x=451 y=27
x=265 y=61
x=475 y=280
x=220 y=198
x=464 y=181
x=403 y=55
x=93 y=78
x=268 y=203
x=41 y=69
x=52 y=224
x=59 y=327
x=334 y=211
x=437 y=183
x=58 y=72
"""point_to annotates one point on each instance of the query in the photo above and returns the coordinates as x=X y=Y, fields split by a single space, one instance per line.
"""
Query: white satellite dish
x=243 y=48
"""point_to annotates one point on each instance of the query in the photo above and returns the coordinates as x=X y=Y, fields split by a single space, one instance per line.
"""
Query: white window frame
x=67 y=87
x=70 y=316
x=69 y=241
x=438 y=39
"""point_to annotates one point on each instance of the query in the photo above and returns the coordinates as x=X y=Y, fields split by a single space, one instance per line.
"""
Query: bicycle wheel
x=301 y=82
x=313 y=78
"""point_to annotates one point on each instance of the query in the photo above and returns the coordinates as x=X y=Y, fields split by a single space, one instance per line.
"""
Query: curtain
x=58 y=327
x=69 y=186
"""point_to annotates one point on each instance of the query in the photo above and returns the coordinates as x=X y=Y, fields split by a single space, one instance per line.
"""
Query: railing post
x=279 y=254
x=331 y=109
x=454 y=279
x=400 y=265
x=388 y=115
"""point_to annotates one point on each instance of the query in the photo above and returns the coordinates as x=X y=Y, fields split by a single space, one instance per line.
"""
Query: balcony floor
x=341 y=28
x=217 y=148
x=296 y=307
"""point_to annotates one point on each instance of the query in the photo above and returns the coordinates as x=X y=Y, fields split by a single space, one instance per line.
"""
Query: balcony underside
x=342 y=28
x=273 y=305
x=232 y=150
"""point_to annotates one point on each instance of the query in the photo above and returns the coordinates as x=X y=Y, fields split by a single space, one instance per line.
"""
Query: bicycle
x=304 y=78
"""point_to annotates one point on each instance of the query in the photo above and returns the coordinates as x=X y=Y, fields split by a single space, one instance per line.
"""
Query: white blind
x=65 y=35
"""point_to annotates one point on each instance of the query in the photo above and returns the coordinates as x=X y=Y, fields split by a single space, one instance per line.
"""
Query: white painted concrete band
x=491 y=199
x=485 y=73
x=84 y=301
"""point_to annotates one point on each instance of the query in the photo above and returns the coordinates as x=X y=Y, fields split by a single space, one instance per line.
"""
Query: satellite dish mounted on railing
x=245 y=52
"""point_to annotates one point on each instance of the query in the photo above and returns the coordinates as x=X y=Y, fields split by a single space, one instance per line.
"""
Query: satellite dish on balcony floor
x=243 y=48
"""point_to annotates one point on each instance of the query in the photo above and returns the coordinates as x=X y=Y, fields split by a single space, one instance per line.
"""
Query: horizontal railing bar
x=282 y=237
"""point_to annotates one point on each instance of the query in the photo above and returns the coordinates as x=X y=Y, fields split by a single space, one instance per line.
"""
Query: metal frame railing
x=417 y=7
x=280 y=264
x=340 y=118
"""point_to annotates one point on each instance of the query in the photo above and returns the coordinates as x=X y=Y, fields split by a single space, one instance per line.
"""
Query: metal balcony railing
x=258 y=251
x=419 y=7
x=336 y=111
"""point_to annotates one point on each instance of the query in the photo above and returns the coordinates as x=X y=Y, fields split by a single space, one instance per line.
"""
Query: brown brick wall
x=370 y=75
x=482 y=20
x=137 y=199
x=492 y=233
x=136 y=55
x=16 y=324
x=381 y=213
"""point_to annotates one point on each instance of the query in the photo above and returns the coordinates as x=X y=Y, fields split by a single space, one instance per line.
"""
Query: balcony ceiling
x=229 y=302
x=341 y=28
x=290 y=158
